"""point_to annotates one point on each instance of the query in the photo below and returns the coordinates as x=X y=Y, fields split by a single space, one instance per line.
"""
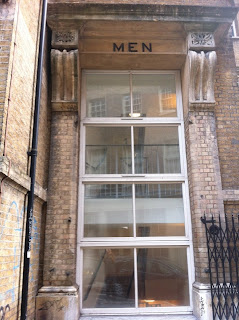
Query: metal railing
x=223 y=256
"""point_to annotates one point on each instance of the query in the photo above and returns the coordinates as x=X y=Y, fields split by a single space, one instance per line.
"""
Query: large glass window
x=152 y=95
x=134 y=222
x=150 y=149
x=109 y=210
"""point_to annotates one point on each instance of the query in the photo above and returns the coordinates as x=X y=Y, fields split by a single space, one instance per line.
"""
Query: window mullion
x=180 y=142
x=136 y=279
x=134 y=215
x=131 y=94
x=132 y=149
x=132 y=128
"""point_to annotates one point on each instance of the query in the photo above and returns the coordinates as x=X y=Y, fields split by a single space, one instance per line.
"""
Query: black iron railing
x=223 y=254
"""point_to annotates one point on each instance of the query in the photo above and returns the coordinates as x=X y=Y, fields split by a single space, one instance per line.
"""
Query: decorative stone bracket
x=64 y=80
x=202 y=61
x=202 y=72
x=201 y=41
x=65 y=39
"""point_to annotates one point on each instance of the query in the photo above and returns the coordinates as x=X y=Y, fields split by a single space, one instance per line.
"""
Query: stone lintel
x=71 y=16
x=64 y=39
x=67 y=106
x=175 y=12
x=16 y=176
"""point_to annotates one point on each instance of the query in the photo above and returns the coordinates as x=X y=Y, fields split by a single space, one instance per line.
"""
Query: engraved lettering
x=145 y=47
x=131 y=47
x=116 y=48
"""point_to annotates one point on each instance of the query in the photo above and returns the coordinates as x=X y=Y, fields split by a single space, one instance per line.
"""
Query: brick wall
x=212 y=154
x=12 y=215
x=20 y=107
x=44 y=122
x=19 y=25
x=204 y=180
x=6 y=28
x=226 y=112
x=60 y=249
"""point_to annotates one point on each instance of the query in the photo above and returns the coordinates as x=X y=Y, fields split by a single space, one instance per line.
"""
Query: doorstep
x=141 y=317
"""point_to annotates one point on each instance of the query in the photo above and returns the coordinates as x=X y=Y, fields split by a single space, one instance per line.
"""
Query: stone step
x=141 y=317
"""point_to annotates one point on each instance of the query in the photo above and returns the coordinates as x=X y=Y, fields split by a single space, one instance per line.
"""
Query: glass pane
x=107 y=95
x=159 y=210
x=156 y=150
x=154 y=95
x=108 y=150
x=162 y=277
x=108 y=210
x=108 y=278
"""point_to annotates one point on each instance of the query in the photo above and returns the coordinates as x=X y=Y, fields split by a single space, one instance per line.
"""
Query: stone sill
x=201 y=105
x=67 y=106
x=141 y=317
x=231 y=196
x=65 y=290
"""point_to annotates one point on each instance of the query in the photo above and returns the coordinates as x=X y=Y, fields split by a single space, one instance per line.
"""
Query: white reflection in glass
x=162 y=277
x=108 y=278
x=157 y=95
x=159 y=210
x=105 y=95
x=108 y=150
x=156 y=150
x=108 y=210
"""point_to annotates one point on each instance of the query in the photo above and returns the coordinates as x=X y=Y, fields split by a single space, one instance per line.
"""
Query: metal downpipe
x=33 y=155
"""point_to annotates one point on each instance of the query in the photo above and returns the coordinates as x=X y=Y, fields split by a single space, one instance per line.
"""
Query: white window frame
x=132 y=242
x=234 y=30
x=137 y=100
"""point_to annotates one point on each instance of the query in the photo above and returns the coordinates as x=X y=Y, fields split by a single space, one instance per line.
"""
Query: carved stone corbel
x=201 y=41
x=64 y=80
x=65 y=39
x=202 y=72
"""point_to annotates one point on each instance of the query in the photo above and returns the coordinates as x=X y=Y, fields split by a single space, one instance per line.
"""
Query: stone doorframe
x=58 y=298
